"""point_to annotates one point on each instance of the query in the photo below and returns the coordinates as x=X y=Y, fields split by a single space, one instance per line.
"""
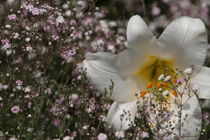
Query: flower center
x=153 y=68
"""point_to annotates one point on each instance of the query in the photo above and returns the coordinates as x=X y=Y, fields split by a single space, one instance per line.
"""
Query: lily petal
x=186 y=38
x=100 y=71
x=137 y=31
x=191 y=119
x=140 y=38
x=121 y=115
x=202 y=80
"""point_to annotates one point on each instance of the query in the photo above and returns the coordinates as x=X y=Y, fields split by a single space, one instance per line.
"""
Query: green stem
x=144 y=10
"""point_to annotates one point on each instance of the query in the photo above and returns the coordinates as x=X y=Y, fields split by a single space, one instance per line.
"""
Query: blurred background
x=44 y=93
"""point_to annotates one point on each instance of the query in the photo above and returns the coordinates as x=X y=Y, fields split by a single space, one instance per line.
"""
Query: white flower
x=27 y=39
x=102 y=136
x=188 y=70
x=161 y=77
x=167 y=78
x=8 y=26
x=182 y=43
x=60 y=19
x=67 y=138
x=165 y=93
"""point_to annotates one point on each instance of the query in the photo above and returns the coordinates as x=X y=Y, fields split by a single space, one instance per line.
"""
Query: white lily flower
x=182 y=43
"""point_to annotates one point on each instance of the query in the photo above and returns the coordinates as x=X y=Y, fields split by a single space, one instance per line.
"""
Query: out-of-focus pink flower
x=144 y=135
x=180 y=80
x=35 y=11
x=12 y=16
x=19 y=82
x=102 y=136
x=15 y=109
x=184 y=3
x=60 y=19
x=72 y=22
x=6 y=46
x=155 y=10
x=89 y=20
x=55 y=37
x=56 y=122
x=5 y=41
x=173 y=8
x=120 y=134
x=67 y=54
x=166 y=137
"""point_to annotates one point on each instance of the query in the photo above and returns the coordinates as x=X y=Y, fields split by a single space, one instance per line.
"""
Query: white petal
x=140 y=39
x=115 y=119
x=192 y=119
x=186 y=39
x=202 y=79
x=137 y=31
x=101 y=72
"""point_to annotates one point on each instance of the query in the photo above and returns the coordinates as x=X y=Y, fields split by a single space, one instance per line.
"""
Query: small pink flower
x=35 y=11
x=67 y=54
x=12 y=16
x=73 y=22
x=6 y=46
x=19 y=82
x=5 y=41
x=56 y=122
x=166 y=137
x=120 y=134
x=102 y=136
x=180 y=81
x=15 y=109
x=55 y=37
x=144 y=135
x=155 y=11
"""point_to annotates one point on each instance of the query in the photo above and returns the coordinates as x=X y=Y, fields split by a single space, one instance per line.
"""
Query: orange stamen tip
x=149 y=85
x=159 y=84
x=174 y=80
x=143 y=93
x=174 y=93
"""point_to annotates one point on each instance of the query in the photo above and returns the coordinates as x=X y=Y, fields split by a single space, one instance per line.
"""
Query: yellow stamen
x=153 y=68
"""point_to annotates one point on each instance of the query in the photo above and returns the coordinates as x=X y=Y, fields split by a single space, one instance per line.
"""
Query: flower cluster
x=44 y=92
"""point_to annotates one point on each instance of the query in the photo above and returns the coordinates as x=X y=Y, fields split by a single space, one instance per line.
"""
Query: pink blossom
x=102 y=136
x=29 y=7
x=78 y=35
x=12 y=16
x=67 y=54
x=19 y=82
x=15 y=109
x=56 y=122
x=72 y=22
x=5 y=41
x=89 y=20
x=155 y=11
x=180 y=81
x=166 y=137
x=144 y=134
x=6 y=46
x=55 y=37
x=120 y=134
x=35 y=11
